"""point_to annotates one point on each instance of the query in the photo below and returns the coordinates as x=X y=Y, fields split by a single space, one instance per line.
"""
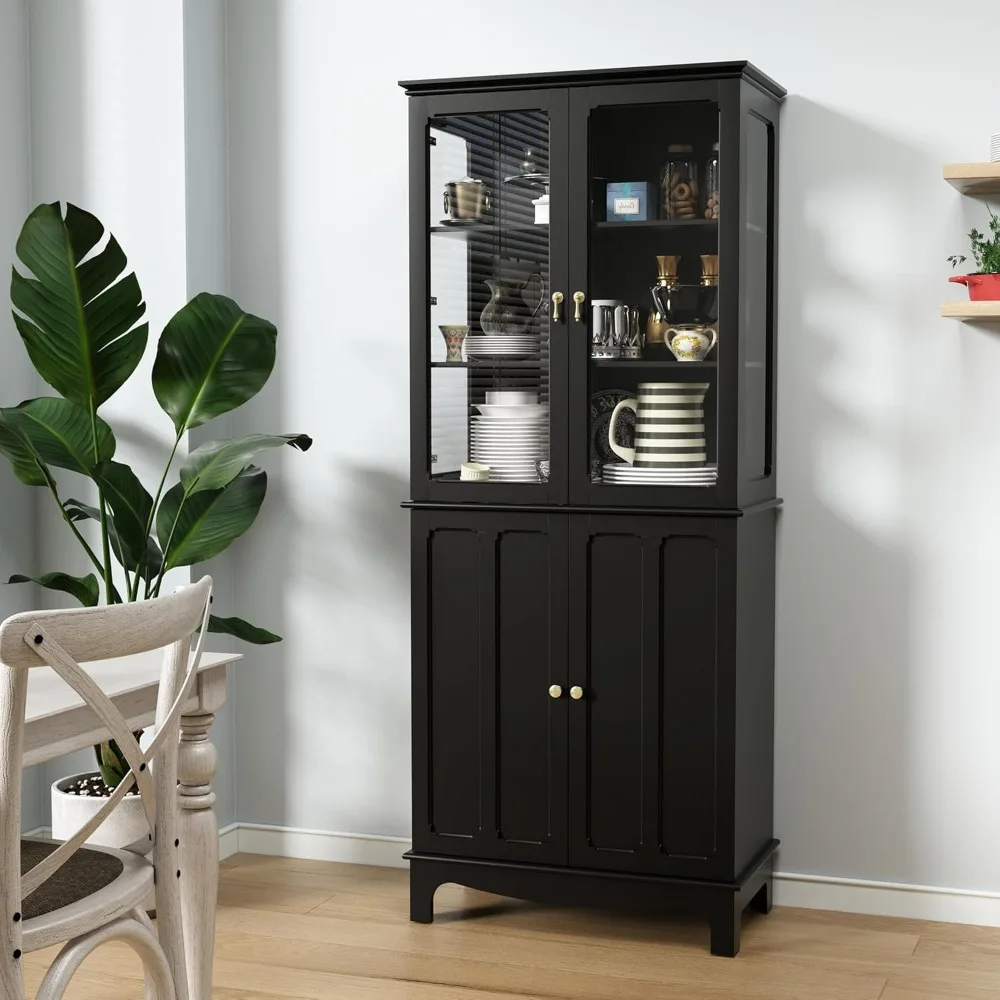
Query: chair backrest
x=61 y=640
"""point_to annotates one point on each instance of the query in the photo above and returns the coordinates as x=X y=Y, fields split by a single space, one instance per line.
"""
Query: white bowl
x=511 y=397
x=511 y=411
x=474 y=472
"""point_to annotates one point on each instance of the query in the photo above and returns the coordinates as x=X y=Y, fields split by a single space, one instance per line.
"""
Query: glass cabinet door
x=649 y=350
x=490 y=359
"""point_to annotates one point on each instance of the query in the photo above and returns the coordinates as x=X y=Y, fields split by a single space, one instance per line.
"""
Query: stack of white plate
x=511 y=439
x=621 y=474
x=511 y=346
x=995 y=148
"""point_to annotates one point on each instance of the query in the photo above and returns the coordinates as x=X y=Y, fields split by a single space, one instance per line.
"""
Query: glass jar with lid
x=679 y=183
x=712 y=185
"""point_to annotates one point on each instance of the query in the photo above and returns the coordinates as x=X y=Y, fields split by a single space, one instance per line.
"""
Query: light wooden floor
x=315 y=931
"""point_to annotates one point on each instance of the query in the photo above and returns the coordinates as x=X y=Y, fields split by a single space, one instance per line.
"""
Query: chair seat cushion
x=86 y=873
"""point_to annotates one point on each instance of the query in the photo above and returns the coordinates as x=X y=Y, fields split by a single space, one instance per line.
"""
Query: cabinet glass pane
x=758 y=322
x=653 y=287
x=489 y=288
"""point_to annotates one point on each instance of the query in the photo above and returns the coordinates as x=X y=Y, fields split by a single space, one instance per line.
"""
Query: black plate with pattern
x=602 y=405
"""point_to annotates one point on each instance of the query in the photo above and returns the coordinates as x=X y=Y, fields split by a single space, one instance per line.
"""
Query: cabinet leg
x=763 y=900
x=726 y=930
x=422 y=889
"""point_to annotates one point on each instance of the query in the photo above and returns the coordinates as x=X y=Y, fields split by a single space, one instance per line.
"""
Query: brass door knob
x=557 y=300
x=555 y=691
x=576 y=692
x=579 y=298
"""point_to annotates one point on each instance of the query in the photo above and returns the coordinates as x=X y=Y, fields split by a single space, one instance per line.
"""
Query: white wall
x=17 y=378
x=887 y=744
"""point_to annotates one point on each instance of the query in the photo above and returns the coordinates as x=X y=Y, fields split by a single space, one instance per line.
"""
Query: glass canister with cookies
x=712 y=185
x=679 y=183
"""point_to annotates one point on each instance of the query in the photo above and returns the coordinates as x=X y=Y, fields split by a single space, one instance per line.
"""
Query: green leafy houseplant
x=80 y=322
x=985 y=250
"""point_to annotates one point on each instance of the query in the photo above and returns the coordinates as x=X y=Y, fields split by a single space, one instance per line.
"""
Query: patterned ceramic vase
x=454 y=337
x=669 y=426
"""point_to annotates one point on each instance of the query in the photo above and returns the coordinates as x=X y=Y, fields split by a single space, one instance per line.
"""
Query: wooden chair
x=85 y=896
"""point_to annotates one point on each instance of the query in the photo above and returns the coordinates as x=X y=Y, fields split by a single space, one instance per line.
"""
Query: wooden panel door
x=651 y=771
x=489 y=640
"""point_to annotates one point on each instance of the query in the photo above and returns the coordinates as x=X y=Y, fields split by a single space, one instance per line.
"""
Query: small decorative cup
x=454 y=337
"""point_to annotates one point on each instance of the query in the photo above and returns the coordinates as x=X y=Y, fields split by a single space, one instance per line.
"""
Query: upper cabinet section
x=592 y=288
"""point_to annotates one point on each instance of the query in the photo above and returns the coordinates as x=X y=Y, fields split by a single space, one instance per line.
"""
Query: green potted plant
x=984 y=283
x=79 y=315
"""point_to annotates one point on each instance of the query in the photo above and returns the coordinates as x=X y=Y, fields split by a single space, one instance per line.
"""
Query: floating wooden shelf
x=974 y=178
x=982 y=311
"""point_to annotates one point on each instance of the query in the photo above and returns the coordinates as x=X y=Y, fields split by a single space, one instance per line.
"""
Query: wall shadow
x=845 y=685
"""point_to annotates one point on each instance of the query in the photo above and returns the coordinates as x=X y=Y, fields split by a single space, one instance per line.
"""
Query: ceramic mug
x=669 y=426
x=454 y=337
x=690 y=343
x=466 y=200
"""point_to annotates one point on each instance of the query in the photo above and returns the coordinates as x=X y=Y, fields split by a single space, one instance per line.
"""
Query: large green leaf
x=78 y=322
x=52 y=431
x=149 y=563
x=242 y=630
x=196 y=528
x=216 y=463
x=211 y=358
x=131 y=506
x=85 y=589
x=27 y=463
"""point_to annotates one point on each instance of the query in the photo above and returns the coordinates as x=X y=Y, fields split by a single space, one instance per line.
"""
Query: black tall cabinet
x=593 y=630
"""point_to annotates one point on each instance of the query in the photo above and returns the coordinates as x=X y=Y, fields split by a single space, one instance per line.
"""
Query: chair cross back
x=39 y=639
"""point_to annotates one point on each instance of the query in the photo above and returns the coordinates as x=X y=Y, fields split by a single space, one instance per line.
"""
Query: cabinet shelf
x=983 y=311
x=705 y=224
x=535 y=363
x=486 y=230
x=974 y=178
x=650 y=363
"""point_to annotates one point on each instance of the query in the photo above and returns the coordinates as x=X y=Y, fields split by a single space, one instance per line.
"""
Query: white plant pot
x=126 y=824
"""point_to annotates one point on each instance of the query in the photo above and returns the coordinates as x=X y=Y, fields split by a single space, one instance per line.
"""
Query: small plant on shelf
x=984 y=283
x=985 y=250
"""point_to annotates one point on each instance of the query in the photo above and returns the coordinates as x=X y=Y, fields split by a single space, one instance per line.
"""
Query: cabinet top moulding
x=599 y=77
x=973 y=178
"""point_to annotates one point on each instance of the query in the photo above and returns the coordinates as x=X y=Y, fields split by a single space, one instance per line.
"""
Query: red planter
x=982 y=287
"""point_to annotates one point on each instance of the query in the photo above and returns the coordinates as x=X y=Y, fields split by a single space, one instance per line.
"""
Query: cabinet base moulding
x=720 y=903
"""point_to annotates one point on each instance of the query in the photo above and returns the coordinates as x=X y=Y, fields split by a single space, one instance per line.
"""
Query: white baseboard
x=323 y=845
x=887 y=899
x=229 y=841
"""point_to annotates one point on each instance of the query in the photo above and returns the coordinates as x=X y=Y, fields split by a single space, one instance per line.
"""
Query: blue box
x=628 y=201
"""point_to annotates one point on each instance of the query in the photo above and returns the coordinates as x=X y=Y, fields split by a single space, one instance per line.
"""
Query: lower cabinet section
x=489 y=640
x=651 y=602
x=593 y=700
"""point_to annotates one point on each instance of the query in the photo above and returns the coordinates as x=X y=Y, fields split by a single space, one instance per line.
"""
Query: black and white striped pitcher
x=669 y=426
